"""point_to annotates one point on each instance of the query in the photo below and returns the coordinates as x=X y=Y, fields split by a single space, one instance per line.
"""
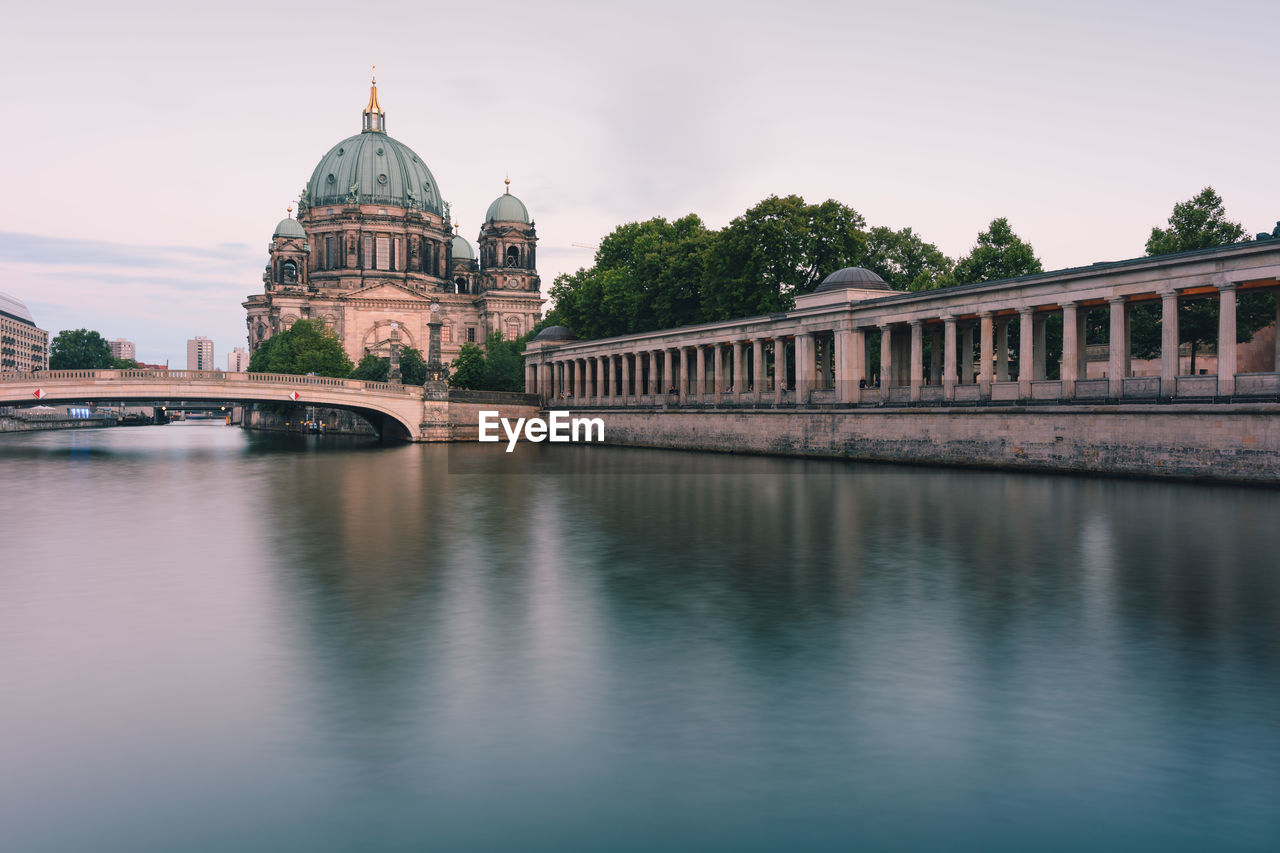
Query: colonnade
x=921 y=348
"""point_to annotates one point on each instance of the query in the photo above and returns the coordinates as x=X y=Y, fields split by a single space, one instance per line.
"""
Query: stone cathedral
x=373 y=245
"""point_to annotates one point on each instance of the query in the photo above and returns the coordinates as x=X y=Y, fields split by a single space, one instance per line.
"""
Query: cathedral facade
x=373 y=246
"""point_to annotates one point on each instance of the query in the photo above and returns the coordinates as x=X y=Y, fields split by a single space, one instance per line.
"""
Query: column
x=601 y=386
x=1227 y=339
x=1070 y=349
x=684 y=374
x=611 y=378
x=1026 y=351
x=1002 y=349
x=530 y=379
x=804 y=367
x=949 y=358
x=666 y=375
x=1041 y=347
x=588 y=386
x=625 y=390
x=985 y=354
x=966 y=354
x=858 y=345
x=700 y=354
x=717 y=372
x=579 y=386
x=886 y=361
x=638 y=379
x=917 y=359
x=739 y=373
x=779 y=368
x=757 y=369
x=1082 y=343
x=935 y=355
x=846 y=380
x=1117 y=357
x=556 y=381
x=544 y=387
x=1168 y=343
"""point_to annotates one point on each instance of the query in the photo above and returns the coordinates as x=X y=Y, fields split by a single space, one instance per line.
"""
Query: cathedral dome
x=289 y=227
x=507 y=208
x=378 y=169
x=462 y=249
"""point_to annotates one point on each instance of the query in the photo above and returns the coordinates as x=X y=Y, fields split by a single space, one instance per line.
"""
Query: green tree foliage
x=124 y=363
x=777 y=249
x=999 y=253
x=468 y=369
x=373 y=368
x=79 y=349
x=1198 y=223
x=905 y=260
x=305 y=347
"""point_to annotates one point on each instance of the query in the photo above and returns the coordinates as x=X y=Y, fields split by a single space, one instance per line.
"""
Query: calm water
x=216 y=641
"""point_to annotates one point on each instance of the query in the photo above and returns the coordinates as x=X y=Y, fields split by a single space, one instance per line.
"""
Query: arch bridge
x=395 y=411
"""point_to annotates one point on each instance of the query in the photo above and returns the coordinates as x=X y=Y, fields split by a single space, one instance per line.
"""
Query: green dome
x=289 y=227
x=462 y=249
x=382 y=171
x=507 y=208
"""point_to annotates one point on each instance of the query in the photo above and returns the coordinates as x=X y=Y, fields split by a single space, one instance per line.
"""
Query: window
x=471 y=334
x=328 y=253
x=384 y=254
x=367 y=261
x=461 y=283
x=289 y=272
x=513 y=256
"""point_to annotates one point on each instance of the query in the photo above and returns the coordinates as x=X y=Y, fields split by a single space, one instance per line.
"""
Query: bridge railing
x=206 y=376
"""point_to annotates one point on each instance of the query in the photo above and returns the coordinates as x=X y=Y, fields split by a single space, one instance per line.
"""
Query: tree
x=375 y=368
x=305 y=347
x=468 y=369
x=504 y=368
x=1198 y=223
x=124 y=363
x=904 y=260
x=999 y=253
x=79 y=349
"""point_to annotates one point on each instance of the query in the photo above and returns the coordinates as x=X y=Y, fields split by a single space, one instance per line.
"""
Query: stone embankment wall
x=1220 y=442
x=9 y=424
x=465 y=408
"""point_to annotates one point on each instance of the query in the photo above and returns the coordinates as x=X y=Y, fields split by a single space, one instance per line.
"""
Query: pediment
x=385 y=290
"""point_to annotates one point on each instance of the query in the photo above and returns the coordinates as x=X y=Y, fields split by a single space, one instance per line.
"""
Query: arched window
x=289 y=272
x=461 y=283
x=513 y=256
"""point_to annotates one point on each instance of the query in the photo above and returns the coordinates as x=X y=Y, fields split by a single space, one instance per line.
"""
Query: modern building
x=374 y=245
x=120 y=348
x=200 y=354
x=238 y=360
x=23 y=346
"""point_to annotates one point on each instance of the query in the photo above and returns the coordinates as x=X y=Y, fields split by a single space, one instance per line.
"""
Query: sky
x=152 y=147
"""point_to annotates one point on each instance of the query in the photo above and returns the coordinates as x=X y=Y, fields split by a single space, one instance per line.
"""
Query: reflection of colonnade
x=864 y=345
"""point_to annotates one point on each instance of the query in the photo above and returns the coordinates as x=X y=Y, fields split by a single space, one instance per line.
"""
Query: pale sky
x=152 y=147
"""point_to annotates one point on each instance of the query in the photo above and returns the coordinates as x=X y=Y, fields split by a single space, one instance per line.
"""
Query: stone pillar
x=1082 y=344
x=804 y=367
x=1026 y=351
x=700 y=354
x=580 y=386
x=684 y=374
x=1168 y=343
x=935 y=354
x=1070 y=349
x=1041 y=347
x=544 y=387
x=846 y=369
x=655 y=374
x=625 y=390
x=757 y=369
x=779 y=368
x=610 y=378
x=985 y=354
x=858 y=343
x=717 y=372
x=966 y=354
x=589 y=374
x=949 y=358
x=638 y=379
x=1227 y=339
x=739 y=373
x=602 y=386
x=886 y=361
x=667 y=376
x=1117 y=356
x=917 y=359
x=530 y=379
x=1002 y=349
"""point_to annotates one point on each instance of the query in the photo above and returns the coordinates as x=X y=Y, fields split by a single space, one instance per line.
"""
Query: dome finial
x=374 y=116
x=455 y=226
x=289 y=211
x=507 y=181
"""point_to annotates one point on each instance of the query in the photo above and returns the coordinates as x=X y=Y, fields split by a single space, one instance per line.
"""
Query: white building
x=238 y=360
x=200 y=354
x=23 y=345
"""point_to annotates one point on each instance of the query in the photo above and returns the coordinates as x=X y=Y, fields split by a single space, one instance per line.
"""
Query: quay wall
x=11 y=424
x=1233 y=442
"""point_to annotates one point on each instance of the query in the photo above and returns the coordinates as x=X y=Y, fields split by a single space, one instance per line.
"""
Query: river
x=213 y=640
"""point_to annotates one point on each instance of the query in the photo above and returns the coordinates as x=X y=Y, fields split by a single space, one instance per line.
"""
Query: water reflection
x=576 y=648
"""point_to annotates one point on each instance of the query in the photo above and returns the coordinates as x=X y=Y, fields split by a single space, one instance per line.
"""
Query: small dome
x=507 y=208
x=555 y=333
x=462 y=249
x=859 y=277
x=289 y=227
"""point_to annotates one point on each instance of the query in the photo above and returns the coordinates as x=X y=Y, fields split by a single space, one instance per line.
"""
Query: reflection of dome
x=382 y=171
x=14 y=307
x=290 y=227
x=462 y=249
x=555 y=333
x=863 y=279
x=507 y=208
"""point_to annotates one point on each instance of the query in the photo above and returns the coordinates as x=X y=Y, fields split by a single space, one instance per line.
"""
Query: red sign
x=294 y=395
x=39 y=392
